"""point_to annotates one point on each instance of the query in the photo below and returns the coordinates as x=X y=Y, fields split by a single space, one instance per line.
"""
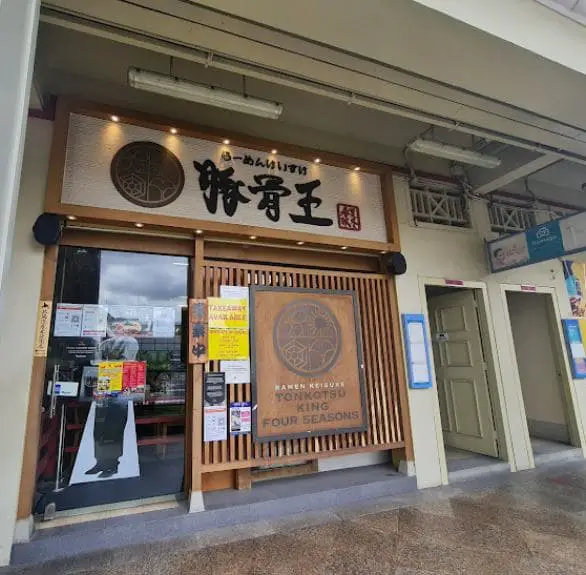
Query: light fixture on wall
x=440 y=150
x=192 y=92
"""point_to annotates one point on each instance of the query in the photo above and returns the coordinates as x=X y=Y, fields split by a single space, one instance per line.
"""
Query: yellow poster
x=227 y=313
x=110 y=376
x=228 y=344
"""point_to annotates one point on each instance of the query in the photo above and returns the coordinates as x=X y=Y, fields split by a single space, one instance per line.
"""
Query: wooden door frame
x=571 y=405
x=102 y=240
x=495 y=383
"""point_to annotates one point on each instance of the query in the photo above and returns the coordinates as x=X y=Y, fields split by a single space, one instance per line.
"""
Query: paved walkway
x=529 y=522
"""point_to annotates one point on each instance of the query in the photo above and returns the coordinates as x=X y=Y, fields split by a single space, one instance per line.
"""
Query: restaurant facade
x=198 y=310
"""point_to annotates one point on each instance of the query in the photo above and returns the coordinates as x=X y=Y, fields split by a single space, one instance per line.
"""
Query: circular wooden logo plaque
x=307 y=338
x=147 y=174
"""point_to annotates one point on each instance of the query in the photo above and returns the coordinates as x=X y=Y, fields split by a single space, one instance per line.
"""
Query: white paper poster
x=237 y=371
x=164 y=322
x=240 y=418
x=68 y=317
x=416 y=333
x=215 y=422
x=95 y=318
x=236 y=292
x=108 y=448
x=420 y=372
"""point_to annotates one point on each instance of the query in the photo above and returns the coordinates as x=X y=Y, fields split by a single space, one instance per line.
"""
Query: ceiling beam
x=520 y=172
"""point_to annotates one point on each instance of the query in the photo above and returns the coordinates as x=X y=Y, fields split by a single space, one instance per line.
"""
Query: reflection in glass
x=122 y=436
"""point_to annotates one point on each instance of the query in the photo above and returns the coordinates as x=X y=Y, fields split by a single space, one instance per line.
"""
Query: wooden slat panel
x=374 y=300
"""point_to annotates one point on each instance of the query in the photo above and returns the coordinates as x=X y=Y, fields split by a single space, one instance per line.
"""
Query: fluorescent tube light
x=439 y=150
x=184 y=90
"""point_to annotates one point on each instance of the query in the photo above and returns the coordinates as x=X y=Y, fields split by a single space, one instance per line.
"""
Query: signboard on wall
x=308 y=375
x=131 y=168
x=547 y=241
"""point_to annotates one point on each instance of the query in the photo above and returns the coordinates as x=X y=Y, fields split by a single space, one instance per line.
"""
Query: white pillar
x=18 y=36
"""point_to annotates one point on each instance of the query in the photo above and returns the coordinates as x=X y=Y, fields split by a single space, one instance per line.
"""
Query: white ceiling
x=93 y=68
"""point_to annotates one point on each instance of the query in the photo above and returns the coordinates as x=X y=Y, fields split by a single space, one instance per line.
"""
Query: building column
x=18 y=33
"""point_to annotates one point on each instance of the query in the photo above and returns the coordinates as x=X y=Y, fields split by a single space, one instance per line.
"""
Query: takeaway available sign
x=307 y=369
x=149 y=171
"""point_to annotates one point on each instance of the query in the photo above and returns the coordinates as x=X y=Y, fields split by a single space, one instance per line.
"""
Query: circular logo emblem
x=147 y=174
x=307 y=337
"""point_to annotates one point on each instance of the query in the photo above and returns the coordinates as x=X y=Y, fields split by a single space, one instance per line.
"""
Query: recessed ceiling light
x=174 y=130
x=226 y=142
x=253 y=237
x=139 y=225
x=344 y=248
x=383 y=252
x=300 y=243
x=357 y=169
x=273 y=151
x=115 y=118
x=72 y=218
x=198 y=232
x=317 y=161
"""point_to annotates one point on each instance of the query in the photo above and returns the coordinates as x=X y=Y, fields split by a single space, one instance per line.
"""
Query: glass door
x=113 y=420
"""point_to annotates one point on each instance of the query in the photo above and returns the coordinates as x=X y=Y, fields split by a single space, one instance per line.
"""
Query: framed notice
x=307 y=370
x=418 y=364
x=575 y=346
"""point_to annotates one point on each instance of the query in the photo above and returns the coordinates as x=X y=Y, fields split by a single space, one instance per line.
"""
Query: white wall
x=440 y=252
x=17 y=330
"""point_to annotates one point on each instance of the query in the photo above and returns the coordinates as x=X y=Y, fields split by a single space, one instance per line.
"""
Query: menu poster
x=133 y=321
x=68 y=318
x=215 y=416
x=134 y=379
x=94 y=321
x=109 y=377
x=240 y=418
x=164 y=322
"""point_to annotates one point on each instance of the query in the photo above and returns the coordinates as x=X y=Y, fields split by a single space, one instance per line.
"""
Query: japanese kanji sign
x=145 y=170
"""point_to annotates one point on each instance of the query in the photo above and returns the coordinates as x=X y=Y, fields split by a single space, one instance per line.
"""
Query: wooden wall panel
x=382 y=367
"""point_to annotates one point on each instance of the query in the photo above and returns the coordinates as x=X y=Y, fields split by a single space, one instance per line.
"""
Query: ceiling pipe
x=221 y=63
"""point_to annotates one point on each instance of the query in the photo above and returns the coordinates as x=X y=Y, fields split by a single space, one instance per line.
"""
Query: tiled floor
x=523 y=523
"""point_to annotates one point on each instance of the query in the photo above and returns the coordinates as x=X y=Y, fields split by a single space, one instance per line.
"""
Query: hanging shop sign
x=198 y=331
x=43 y=328
x=307 y=367
x=547 y=241
x=144 y=170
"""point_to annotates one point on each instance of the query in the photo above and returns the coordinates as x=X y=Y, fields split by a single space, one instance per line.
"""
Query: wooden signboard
x=307 y=368
x=198 y=331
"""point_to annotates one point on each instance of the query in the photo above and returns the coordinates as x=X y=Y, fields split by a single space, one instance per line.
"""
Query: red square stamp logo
x=349 y=217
